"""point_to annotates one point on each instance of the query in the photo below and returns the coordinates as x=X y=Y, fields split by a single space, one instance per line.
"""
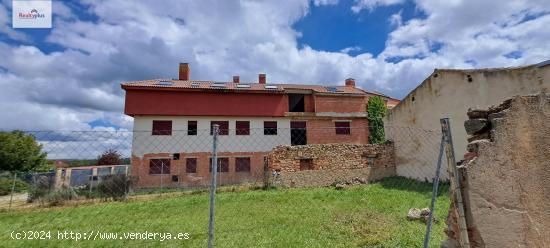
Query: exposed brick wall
x=331 y=163
x=309 y=103
x=324 y=132
x=340 y=104
x=506 y=175
x=140 y=170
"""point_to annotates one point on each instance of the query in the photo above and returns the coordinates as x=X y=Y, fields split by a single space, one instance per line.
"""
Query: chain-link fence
x=305 y=186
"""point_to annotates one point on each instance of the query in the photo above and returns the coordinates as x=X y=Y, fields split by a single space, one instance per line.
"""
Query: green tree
x=109 y=157
x=376 y=111
x=20 y=152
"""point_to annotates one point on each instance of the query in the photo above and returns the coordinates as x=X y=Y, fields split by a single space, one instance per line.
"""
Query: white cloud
x=351 y=49
x=396 y=19
x=479 y=31
x=371 y=4
x=325 y=2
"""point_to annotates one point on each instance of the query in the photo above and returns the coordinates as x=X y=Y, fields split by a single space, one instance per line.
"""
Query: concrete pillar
x=67 y=178
x=58 y=178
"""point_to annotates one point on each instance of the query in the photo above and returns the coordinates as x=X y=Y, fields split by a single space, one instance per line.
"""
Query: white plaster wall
x=450 y=94
x=144 y=142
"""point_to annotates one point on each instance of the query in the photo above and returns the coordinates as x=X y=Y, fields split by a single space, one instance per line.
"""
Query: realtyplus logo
x=33 y=14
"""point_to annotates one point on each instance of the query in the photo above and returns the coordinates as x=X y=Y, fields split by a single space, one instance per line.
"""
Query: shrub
x=109 y=157
x=89 y=194
x=42 y=185
x=6 y=185
x=59 y=196
x=376 y=108
x=114 y=186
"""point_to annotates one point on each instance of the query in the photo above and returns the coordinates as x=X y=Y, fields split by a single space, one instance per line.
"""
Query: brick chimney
x=236 y=79
x=350 y=82
x=261 y=78
x=184 y=71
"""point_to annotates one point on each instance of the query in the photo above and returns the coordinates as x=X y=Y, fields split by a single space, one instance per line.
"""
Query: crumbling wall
x=506 y=175
x=324 y=164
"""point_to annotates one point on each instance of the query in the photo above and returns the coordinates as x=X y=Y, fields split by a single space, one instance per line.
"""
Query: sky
x=68 y=77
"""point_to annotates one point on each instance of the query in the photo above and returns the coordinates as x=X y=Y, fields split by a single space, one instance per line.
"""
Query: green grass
x=361 y=216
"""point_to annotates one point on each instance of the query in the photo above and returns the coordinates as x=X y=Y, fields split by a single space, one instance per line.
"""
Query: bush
x=6 y=185
x=114 y=186
x=109 y=157
x=86 y=192
x=59 y=196
x=41 y=186
x=376 y=108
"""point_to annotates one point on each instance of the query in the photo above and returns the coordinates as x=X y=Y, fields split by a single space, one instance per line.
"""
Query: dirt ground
x=18 y=200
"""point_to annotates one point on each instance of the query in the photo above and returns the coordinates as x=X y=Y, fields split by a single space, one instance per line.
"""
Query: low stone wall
x=325 y=164
x=506 y=176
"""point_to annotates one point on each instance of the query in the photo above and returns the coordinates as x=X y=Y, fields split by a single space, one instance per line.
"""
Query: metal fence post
x=215 y=130
x=12 y=189
x=435 y=188
x=91 y=184
x=267 y=183
x=454 y=177
x=161 y=174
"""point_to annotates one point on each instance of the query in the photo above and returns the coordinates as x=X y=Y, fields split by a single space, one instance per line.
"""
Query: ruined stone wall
x=324 y=164
x=506 y=175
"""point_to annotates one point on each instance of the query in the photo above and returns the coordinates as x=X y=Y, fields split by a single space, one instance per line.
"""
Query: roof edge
x=436 y=70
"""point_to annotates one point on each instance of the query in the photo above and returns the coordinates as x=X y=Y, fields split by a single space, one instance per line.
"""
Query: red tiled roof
x=208 y=85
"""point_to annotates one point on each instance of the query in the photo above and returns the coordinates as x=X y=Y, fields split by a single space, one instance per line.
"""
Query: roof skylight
x=270 y=87
x=333 y=89
x=243 y=85
x=165 y=83
x=218 y=85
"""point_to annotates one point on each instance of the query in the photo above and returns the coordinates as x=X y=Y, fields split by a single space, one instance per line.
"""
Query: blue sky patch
x=334 y=28
x=102 y=123
x=514 y=55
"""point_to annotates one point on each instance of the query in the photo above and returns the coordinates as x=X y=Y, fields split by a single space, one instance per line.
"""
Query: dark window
x=298 y=134
x=242 y=164
x=342 y=127
x=192 y=128
x=242 y=127
x=223 y=165
x=306 y=164
x=224 y=127
x=296 y=103
x=176 y=156
x=270 y=128
x=162 y=127
x=191 y=165
x=159 y=166
x=175 y=178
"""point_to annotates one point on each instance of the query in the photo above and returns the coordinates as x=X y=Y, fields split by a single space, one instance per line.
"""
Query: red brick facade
x=140 y=170
x=323 y=132
x=309 y=103
x=340 y=104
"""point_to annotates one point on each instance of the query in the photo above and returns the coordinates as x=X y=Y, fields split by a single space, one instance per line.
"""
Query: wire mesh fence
x=133 y=182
